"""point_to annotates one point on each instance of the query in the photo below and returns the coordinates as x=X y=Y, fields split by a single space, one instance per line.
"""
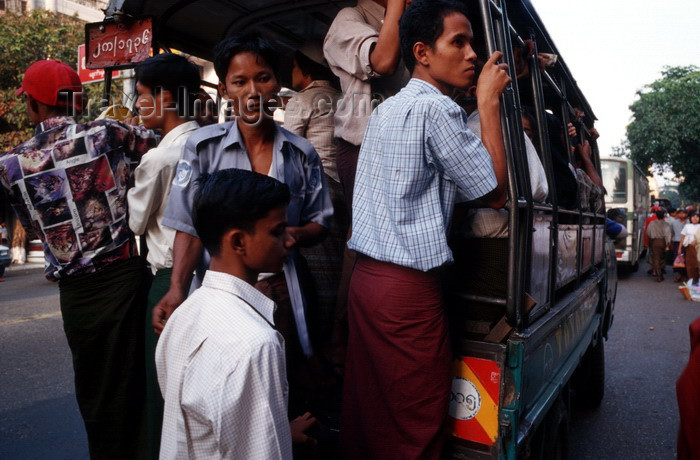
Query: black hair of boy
x=250 y=42
x=315 y=70
x=173 y=73
x=423 y=22
x=233 y=198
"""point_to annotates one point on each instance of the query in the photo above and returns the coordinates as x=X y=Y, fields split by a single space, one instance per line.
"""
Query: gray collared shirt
x=659 y=229
x=294 y=162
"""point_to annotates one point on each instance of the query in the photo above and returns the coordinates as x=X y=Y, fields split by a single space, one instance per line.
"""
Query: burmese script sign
x=118 y=44
x=90 y=75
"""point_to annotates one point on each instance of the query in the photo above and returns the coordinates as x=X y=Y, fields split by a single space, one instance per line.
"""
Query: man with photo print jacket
x=68 y=185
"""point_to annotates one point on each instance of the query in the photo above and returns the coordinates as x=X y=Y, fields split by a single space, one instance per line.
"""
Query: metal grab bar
x=489 y=300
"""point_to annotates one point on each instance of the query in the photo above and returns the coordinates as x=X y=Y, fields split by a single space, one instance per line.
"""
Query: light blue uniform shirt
x=294 y=162
x=416 y=152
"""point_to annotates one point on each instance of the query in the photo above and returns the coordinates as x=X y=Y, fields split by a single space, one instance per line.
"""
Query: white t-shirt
x=493 y=223
x=689 y=233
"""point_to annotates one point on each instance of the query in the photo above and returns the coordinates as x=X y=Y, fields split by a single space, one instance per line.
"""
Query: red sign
x=118 y=44
x=90 y=75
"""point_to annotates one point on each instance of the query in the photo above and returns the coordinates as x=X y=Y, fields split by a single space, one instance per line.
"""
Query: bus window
x=615 y=180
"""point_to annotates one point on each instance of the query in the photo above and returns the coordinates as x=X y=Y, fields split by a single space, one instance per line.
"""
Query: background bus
x=627 y=193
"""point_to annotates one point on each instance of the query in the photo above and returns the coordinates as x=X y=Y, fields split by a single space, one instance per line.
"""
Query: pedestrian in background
x=362 y=49
x=687 y=245
x=688 y=396
x=660 y=234
x=677 y=223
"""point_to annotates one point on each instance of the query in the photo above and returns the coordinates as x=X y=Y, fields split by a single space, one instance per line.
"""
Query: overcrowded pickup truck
x=527 y=351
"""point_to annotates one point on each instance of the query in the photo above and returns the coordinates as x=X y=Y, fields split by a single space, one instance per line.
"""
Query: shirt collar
x=233 y=137
x=422 y=87
x=51 y=123
x=317 y=84
x=176 y=132
x=236 y=286
x=374 y=9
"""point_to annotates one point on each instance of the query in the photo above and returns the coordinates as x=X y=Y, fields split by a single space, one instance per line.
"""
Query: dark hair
x=233 y=198
x=423 y=21
x=250 y=42
x=617 y=214
x=660 y=214
x=314 y=69
x=173 y=73
x=65 y=105
x=529 y=113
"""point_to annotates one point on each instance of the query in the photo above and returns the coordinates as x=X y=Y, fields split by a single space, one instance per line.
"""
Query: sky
x=615 y=47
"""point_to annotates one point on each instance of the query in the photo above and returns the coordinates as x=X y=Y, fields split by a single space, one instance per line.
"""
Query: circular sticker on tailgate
x=465 y=400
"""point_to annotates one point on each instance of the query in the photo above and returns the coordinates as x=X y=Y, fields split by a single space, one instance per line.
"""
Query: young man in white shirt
x=167 y=87
x=221 y=363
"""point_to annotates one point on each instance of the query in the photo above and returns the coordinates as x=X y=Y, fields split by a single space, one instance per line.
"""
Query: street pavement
x=648 y=348
x=39 y=417
x=638 y=418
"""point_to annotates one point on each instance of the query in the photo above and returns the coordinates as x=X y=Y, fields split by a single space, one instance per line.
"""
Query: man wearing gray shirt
x=247 y=67
x=659 y=233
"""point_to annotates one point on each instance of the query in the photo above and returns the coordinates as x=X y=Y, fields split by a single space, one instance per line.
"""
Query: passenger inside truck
x=482 y=232
x=479 y=278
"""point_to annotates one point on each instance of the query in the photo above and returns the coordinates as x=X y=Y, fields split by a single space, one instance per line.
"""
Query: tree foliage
x=665 y=130
x=24 y=39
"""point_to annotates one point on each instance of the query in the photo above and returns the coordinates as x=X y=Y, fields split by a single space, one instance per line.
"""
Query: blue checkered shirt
x=416 y=152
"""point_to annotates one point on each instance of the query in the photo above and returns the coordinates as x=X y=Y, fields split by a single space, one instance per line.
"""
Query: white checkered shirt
x=222 y=373
x=416 y=152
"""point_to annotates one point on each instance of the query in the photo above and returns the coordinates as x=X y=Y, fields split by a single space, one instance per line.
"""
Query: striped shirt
x=347 y=47
x=416 y=153
x=221 y=369
x=309 y=114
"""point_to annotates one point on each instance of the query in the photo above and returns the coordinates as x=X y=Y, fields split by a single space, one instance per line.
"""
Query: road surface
x=647 y=350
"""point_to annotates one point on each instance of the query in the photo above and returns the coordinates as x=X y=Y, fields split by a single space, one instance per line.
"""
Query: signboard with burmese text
x=118 y=44
x=90 y=75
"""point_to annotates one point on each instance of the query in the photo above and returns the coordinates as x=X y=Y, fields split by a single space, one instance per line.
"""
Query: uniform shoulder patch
x=315 y=179
x=183 y=173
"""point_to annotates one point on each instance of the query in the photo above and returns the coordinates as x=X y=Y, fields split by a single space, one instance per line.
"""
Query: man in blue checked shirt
x=416 y=153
